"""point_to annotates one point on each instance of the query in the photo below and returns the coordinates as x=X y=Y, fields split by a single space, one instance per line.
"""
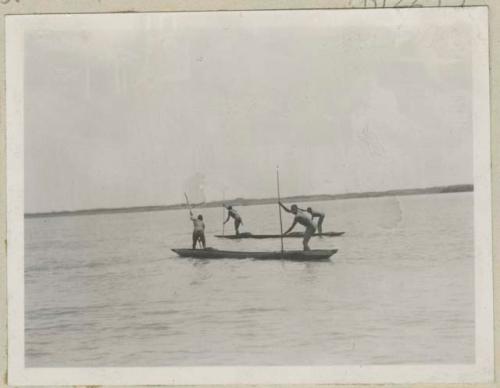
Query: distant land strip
x=259 y=201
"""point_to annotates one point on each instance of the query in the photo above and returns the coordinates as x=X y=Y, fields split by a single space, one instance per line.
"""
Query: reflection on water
x=106 y=290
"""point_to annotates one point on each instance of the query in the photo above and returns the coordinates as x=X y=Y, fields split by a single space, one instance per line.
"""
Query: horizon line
x=240 y=201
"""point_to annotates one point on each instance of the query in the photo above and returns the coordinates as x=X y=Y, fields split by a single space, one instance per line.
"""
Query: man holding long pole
x=232 y=213
x=303 y=219
x=198 y=227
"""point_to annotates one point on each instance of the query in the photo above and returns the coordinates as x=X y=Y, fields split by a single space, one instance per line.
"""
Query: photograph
x=229 y=192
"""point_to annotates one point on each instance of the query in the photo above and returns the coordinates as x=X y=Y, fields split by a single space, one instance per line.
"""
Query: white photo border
x=481 y=371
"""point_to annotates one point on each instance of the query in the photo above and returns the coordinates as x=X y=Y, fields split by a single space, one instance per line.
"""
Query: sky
x=136 y=109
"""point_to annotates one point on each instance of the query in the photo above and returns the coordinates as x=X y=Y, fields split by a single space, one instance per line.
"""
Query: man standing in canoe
x=316 y=214
x=237 y=218
x=303 y=219
x=199 y=230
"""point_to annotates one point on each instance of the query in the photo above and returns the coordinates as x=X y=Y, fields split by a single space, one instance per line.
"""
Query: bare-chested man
x=303 y=219
x=199 y=230
x=316 y=214
x=231 y=213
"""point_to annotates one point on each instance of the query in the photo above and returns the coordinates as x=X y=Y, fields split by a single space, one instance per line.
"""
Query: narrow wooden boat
x=289 y=235
x=211 y=253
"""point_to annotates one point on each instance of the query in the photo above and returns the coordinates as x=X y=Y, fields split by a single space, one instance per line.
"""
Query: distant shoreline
x=260 y=201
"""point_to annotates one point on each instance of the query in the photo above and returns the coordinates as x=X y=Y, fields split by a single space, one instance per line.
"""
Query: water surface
x=105 y=290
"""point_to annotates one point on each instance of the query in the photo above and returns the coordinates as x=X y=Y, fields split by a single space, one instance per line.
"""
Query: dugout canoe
x=211 y=253
x=264 y=236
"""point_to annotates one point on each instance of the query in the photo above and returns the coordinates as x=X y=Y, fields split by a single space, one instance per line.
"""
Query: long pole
x=187 y=202
x=223 y=213
x=279 y=208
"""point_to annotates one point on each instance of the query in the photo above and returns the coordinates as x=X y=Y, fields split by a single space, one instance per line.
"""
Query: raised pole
x=187 y=202
x=279 y=208
x=223 y=213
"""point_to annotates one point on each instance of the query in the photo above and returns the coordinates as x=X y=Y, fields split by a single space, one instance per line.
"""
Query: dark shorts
x=198 y=235
x=310 y=230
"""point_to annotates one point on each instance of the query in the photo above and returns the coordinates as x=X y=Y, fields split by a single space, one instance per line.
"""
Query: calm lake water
x=105 y=290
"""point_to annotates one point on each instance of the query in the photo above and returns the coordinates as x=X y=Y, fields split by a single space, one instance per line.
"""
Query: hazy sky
x=130 y=110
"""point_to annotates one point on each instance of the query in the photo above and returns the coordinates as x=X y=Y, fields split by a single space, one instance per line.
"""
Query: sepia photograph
x=208 y=197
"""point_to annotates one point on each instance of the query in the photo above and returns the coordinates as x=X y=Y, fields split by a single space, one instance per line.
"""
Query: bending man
x=316 y=214
x=231 y=213
x=302 y=219
x=198 y=231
